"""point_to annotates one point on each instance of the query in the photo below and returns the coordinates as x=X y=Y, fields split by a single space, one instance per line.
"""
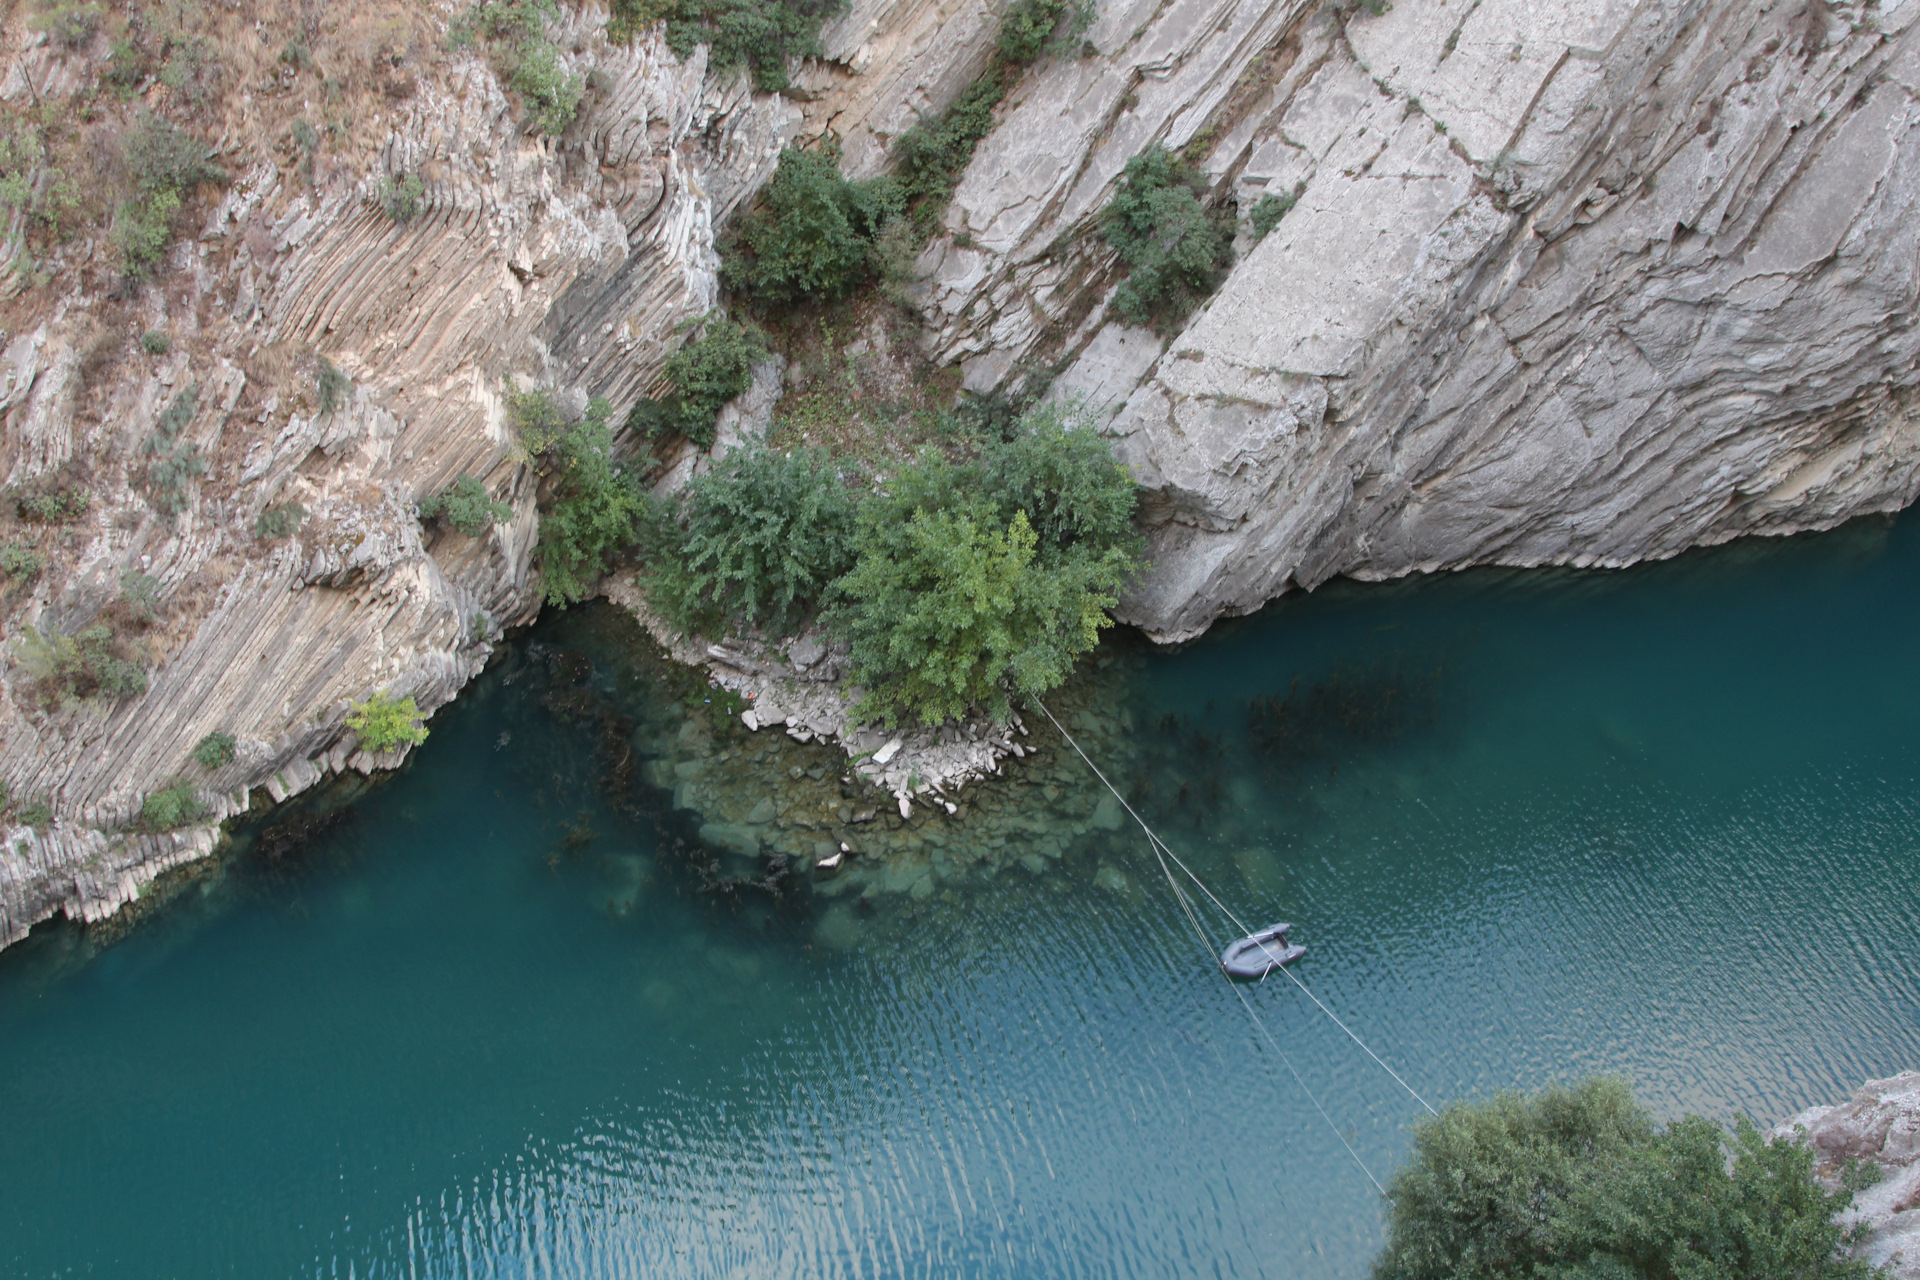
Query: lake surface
x=1531 y=826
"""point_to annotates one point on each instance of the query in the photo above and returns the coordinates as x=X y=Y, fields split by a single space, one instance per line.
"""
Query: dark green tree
x=1578 y=1184
x=813 y=234
x=1176 y=250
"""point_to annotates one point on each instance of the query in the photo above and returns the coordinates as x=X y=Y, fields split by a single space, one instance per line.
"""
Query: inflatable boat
x=1258 y=954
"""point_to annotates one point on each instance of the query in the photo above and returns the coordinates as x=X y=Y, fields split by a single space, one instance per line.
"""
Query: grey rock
x=763 y=812
x=1880 y=1125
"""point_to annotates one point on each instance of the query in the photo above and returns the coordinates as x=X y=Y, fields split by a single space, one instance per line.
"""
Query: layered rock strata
x=565 y=262
x=1581 y=284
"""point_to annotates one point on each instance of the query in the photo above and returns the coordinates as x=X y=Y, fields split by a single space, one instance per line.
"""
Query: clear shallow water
x=1532 y=826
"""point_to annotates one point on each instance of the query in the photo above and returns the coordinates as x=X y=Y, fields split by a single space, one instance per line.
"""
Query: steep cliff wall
x=1581 y=284
x=567 y=261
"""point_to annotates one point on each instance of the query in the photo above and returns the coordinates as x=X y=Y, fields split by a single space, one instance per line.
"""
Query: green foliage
x=514 y=33
x=282 y=520
x=331 y=386
x=173 y=461
x=1175 y=249
x=91 y=663
x=705 y=374
x=973 y=578
x=155 y=342
x=140 y=597
x=215 y=750
x=1268 y=210
x=943 y=612
x=813 y=234
x=383 y=722
x=142 y=229
x=931 y=156
x=466 y=505
x=162 y=157
x=305 y=136
x=762 y=36
x=171 y=808
x=28 y=185
x=599 y=507
x=37 y=814
x=20 y=563
x=1027 y=28
x=764 y=533
x=1577 y=1183
x=71 y=25
x=400 y=197
x=55 y=500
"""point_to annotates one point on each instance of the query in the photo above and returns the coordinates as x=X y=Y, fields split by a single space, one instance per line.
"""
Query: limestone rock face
x=1584 y=283
x=1881 y=1125
x=565 y=262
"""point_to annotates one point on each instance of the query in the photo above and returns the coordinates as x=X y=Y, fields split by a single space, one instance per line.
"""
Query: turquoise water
x=480 y=1021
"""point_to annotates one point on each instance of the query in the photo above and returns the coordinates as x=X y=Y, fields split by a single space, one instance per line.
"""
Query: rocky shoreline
x=1879 y=1125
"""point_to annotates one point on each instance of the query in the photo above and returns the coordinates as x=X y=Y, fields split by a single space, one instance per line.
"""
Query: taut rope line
x=1162 y=853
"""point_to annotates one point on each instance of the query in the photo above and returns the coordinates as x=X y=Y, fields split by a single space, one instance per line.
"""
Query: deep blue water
x=1530 y=825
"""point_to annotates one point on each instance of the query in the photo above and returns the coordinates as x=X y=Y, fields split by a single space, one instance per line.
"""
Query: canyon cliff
x=1578 y=284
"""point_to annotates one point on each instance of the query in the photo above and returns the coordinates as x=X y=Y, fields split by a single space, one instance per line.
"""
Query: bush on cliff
x=598 y=506
x=514 y=34
x=1578 y=1184
x=383 y=722
x=978 y=578
x=175 y=806
x=1176 y=250
x=812 y=235
x=761 y=35
x=465 y=505
x=705 y=373
x=758 y=539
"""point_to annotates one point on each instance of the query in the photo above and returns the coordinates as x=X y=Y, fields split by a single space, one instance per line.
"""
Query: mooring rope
x=1162 y=854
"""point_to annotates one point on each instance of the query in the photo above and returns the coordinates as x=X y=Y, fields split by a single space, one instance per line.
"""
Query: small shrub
x=163 y=157
x=813 y=234
x=705 y=374
x=140 y=597
x=281 y=520
x=467 y=506
x=176 y=806
x=300 y=58
x=71 y=25
x=305 y=136
x=155 y=342
x=214 y=751
x=383 y=722
x=20 y=563
x=763 y=36
x=331 y=387
x=128 y=66
x=142 y=229
x=1268 y=210
x=931 y=156
x=1175 y=249
x=764 y=534
x=174 y=462
x=166 y=162
x=190 y=67
x=515 y=35
x=37 y=814
x=1027 y=28
x=400 y=197
x=91 y=663
x=597 y=513
x=55 y=500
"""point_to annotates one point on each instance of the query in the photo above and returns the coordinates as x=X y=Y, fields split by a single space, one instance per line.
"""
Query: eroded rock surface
x=1582 y=284
x=1881 y=1126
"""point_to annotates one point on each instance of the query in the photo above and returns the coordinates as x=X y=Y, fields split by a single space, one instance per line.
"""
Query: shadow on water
x=1349 y=710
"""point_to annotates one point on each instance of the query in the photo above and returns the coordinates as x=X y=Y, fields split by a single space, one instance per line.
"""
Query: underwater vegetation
x=1356 y=708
